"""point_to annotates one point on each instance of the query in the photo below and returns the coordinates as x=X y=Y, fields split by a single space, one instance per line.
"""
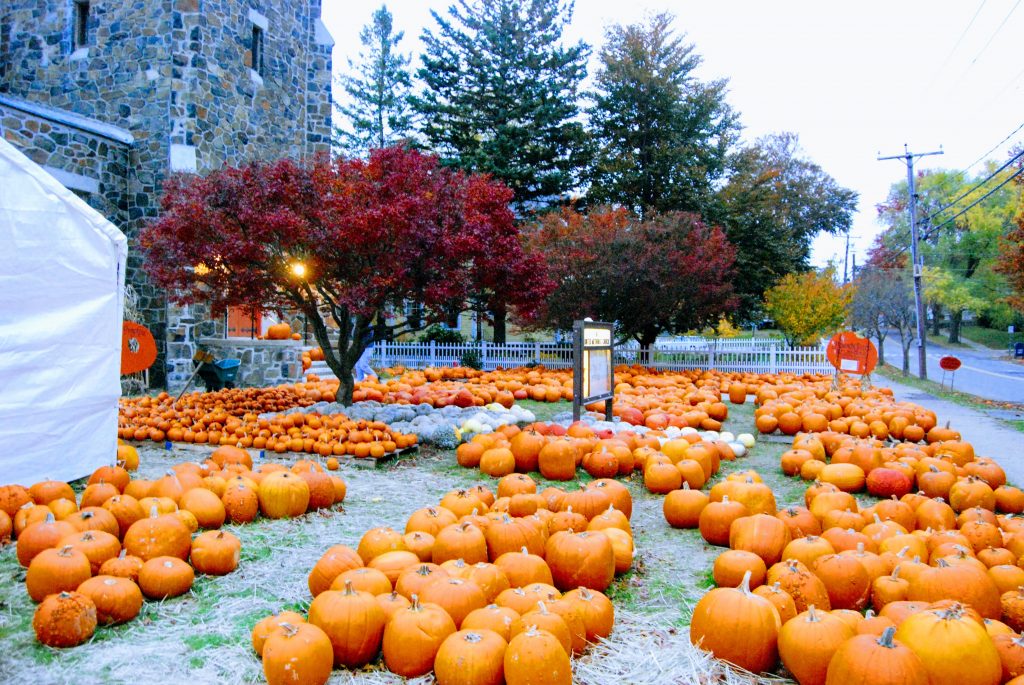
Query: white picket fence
x=758 y=355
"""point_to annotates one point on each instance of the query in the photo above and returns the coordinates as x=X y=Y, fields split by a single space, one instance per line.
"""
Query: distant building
x=111 y=97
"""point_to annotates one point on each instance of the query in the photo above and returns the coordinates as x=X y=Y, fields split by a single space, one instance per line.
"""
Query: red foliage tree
x=1011 y=262
x=370 y=234
x=669 y=273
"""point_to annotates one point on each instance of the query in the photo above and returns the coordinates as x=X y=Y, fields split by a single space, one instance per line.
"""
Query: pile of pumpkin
x=203 y=418
x=870 y=413
x=473 y=590
x=91 y=561
x=945 y=468
x=943 y=581
x=557 y=452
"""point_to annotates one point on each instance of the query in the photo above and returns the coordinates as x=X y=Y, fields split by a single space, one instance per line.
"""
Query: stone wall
x=93 y=165
x=222 y=108
x=264 y=362
x=177 y=75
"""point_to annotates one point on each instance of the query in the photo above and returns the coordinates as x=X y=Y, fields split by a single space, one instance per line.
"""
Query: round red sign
x=949 y=363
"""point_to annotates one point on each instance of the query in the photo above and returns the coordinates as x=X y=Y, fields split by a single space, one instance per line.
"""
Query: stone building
x=111 y=96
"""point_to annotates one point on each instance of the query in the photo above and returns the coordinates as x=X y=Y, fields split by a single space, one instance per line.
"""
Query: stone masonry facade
x=153 y=87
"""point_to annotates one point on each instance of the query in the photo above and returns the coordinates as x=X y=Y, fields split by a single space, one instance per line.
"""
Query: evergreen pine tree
x=662 y=135
x=378 y=88
x=501 y=95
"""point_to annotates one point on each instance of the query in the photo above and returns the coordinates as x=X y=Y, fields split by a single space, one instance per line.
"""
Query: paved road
x=983 y=373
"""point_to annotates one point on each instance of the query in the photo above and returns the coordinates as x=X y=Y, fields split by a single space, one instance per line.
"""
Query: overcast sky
x=851 y=80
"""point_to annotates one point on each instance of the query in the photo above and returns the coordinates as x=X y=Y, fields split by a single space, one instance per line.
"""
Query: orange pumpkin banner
x=138 y=348
x=850 y=353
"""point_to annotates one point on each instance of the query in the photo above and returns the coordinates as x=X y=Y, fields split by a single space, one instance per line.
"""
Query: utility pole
x=922 y=353
x=846 y=258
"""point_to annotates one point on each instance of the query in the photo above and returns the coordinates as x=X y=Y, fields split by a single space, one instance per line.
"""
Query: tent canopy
x=61 y=298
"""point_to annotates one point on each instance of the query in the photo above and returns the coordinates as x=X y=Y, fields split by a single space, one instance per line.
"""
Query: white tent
x=61 y=295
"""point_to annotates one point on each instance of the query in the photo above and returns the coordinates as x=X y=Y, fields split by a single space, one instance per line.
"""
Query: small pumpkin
x=353 y=621
x=65 y=619
x=471 y=656
x=724 y=613
x=867 y=660
x=413 y=637
x=56 y=570
x=163 y=577
x=215 y=552
x=297 y=653
x=265 y=626
x=117 y=599
x=536 y=656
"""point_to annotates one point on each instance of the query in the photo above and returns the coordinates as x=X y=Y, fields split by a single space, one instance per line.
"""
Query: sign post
x=593 y=379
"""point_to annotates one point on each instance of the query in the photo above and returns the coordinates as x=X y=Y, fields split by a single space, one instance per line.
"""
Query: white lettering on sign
x=597 y=337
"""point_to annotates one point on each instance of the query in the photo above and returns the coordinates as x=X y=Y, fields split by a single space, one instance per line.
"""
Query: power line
x=997 y=145
x=996 y=33
x=979 y=184
x=958 y=41
x=963 y=211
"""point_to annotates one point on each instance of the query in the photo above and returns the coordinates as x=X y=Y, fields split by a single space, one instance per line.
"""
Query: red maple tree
x=370 y=235
x=1011 y=262
x=669 y=273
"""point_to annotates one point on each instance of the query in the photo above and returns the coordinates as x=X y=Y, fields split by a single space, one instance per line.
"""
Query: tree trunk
x=936 y=318
x=500 y=314
x=906 y=354
x=647 y=340
x=955 y=319
x=340 y=359
x=880 y=337
x=479 y=316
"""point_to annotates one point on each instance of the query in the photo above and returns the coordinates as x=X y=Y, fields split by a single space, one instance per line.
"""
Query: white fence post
x=536 y=351
x=433 y=353
x=773 y=366
x=483 y=354
x=711 y=358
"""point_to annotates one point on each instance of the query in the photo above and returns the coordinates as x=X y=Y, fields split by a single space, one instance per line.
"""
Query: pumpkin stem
x=744 y=586
x=349 y=590
x=686 y=486
x=472 y=638
x=812 y=615
x=415 y=606
x=289 y=629
x=903 y=552
x=942 y=563
x=885 y=640
x=870 y=613
x=895 y=572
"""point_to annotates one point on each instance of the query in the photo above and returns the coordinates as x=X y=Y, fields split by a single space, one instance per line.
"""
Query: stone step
x=321 y=369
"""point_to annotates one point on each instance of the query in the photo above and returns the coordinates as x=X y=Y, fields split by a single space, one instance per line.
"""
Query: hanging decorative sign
x=850 y=353
x=593 y=377
x=138 y=348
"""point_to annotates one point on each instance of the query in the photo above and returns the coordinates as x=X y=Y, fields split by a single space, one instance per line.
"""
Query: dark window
x=257 y=50
x=81 y=24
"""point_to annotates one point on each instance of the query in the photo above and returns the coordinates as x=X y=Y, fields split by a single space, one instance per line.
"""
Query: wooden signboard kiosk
x=593 y=378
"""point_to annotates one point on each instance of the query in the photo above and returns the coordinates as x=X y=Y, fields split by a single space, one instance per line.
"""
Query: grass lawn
x=203 y=636
x=994 y=339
